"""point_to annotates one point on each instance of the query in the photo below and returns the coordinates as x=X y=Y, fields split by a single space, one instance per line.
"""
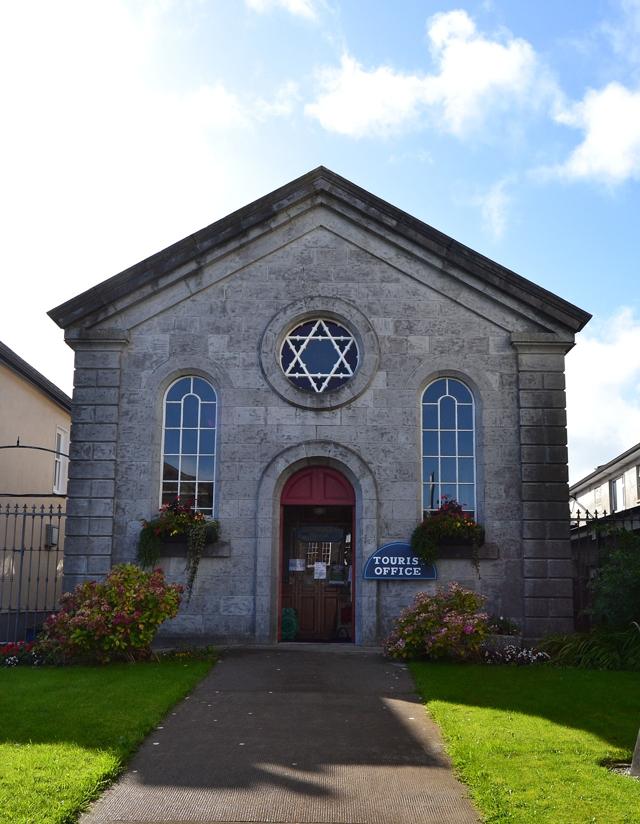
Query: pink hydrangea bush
x=115 y=619
x=449 y=624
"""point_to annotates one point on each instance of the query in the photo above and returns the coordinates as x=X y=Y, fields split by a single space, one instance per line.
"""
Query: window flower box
x=447 y=533
x=178 y=528
x=176 y=546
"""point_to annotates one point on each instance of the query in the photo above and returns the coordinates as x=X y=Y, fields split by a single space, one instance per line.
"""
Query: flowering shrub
x=18 y=652
x=448 y=624
x=503 y=626
x=114 y=619
x=515 y=655
x=177 y=519
x=448 y=524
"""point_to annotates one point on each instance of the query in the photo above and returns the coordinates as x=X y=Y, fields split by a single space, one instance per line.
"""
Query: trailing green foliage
x=616 y=588
x=600 y=649
x=176 y=520
x=447 y=525
x=448 y=624
x=110 y=620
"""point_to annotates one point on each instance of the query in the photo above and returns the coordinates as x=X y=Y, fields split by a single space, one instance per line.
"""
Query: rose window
x=319 y=355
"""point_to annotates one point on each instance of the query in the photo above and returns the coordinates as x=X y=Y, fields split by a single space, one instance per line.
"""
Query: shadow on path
x=292 y=736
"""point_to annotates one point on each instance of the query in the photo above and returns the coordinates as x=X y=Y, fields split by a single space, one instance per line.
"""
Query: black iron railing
x=31 y=561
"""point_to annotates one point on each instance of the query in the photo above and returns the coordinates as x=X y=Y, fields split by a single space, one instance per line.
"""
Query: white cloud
x=420 y=156
x=610 y=151
x=475 y=76
x=300 y=8
x=624 y=34
x=282 y=105
x=494 y=206
x=211 y=107
x=357 y=102
x=100 y=165
x=603 y=392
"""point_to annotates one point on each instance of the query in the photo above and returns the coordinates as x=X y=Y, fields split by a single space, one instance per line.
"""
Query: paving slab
x=290 y=736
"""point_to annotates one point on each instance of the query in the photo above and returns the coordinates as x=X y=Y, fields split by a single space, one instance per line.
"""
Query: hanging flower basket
x=179 y=524
x=448 y=526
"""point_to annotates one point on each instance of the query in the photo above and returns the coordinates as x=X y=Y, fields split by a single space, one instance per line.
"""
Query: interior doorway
x=317 y=560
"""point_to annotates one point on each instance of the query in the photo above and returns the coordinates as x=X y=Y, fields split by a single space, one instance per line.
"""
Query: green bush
x=600 y=649
x=616 y=588
x=448 y=624
x=116 y=619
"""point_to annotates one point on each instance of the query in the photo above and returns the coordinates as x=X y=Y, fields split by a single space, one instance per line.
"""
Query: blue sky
x=512 y=126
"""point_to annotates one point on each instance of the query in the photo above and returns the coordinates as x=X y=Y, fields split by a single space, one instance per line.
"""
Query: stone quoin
x=317 y=370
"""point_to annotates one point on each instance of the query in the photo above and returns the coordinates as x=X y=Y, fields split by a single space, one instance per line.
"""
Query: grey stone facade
x=420 y=305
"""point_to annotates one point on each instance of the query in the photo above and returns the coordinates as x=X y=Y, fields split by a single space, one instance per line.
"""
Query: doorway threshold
x=308 y=646
x=323 y=646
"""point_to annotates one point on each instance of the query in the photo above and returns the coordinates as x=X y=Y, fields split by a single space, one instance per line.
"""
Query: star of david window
x=319 y=355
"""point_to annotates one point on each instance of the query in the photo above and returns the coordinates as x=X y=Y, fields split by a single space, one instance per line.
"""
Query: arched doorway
x=316 y=571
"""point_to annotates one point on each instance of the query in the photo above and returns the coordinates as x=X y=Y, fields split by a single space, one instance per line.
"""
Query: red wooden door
x=317 y=551
x=318 y=486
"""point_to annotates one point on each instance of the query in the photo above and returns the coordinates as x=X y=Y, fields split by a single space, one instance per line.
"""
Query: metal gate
x=31 y=559
x=31 y=553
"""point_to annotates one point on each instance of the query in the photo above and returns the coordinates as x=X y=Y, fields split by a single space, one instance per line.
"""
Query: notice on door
x=296 y=564
x=319 y=571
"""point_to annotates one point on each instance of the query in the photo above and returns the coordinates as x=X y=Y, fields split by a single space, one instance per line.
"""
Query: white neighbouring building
x=612 y=487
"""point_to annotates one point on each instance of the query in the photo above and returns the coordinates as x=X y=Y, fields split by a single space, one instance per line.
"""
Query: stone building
x=318 y=369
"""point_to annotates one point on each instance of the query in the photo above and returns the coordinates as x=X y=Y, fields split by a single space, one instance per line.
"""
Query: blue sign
x=398 y=562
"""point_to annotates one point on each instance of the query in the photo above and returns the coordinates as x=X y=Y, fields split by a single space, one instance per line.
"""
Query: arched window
x=189 y=443
x=448 y=445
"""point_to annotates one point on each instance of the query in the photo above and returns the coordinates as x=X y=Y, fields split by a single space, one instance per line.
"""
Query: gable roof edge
x=320 y=180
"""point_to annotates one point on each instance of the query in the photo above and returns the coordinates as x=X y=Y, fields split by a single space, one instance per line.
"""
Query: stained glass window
x=319 y=355
x=448 y=445
x=189 y=443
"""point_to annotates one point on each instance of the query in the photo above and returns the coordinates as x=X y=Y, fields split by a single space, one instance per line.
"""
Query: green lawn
x=529 y=741
x=66 y=732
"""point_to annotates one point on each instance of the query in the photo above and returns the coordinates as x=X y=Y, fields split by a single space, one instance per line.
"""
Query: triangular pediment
x=330 y=199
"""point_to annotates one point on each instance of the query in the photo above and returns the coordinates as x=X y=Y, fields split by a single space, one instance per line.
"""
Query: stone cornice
x=108 y=339
x=537 y=342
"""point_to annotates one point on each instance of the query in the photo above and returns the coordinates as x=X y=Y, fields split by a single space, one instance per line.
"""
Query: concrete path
x=295 y=737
